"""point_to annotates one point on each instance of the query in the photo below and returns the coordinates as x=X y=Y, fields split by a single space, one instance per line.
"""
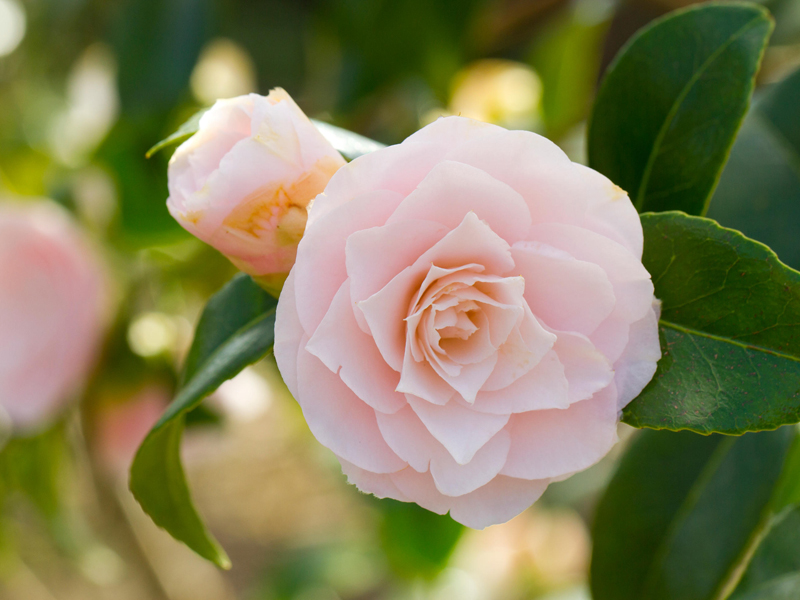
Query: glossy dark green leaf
x=350 y=145
x=417 y=542
x=184 y=132
x=681 y=513
x=759 y=192
x=235 y=330
x=730 y=331
x=774 y=571
x=672 y=101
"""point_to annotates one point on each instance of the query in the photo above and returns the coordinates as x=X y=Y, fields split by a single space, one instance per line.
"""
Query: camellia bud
x=244 y=181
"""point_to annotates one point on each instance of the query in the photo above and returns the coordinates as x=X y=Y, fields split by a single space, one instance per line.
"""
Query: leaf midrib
x=651 y=159
x=726 y=340
x=169 y=415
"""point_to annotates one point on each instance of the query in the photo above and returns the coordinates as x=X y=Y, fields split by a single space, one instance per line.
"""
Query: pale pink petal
x=637 y=365
x=408 y=438
x=288 y=334
x=397 y=169
x=555 y=189
x=386 y=310
x=453 y=131
x=587 y=369
x=567 y=294
x=523 y=350
x=421 y=380
x=459 y=429
x=344 y=348
x=339 y=419
x=452 y=189
x=320 y=269
x=378 y=484
x=544 y=387
x=498 y=501
x=550 y=443
x=453 y=479
x=370 y=267
x=419 y=488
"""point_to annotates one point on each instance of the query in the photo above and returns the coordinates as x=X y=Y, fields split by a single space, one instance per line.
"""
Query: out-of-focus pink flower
x=466 y=318
x=52 y=311
x=244 y=181
x=121 y=428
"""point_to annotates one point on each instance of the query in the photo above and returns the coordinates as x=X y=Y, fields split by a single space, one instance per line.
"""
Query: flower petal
x=320 y=268
x=453 y=479
x=344 y=348
x=378 y=484
x=543 y=387
x=452 y=189
x=500 y=500
x=339 y=419
x=288 y=334
x=461 y=430
x=637 y=365
x=550 y=443
x=567 y=294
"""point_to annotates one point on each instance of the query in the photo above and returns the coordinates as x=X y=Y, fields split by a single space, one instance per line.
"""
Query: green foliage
x=567 y=58
x=417 y=542
x=759 y=192
x=671 y=103
x=730 y=321
x=682 y=512
x=236 y=329
x=774 y=571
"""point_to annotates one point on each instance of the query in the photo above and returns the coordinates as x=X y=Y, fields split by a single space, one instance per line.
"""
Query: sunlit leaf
x=236 y=329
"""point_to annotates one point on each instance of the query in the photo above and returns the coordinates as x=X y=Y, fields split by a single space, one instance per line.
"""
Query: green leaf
x=672 y=101
x=682 y=512
x=759 y=192
x=184 y=132
x=730 y=331
x=774 y=571
x=348 y=144
x=567 y=57
x=236 y=329
x=416 y=542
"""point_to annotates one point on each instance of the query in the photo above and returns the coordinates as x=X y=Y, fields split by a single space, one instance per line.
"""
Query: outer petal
x=555 y=189
x=550 y=443
x=567 y=294
x=320 y=269
x=461 y=430
x=339 y=419
x=419 y=488
x=452 y=189
x=497 y=502
x=397 y=169
x=377 y=484
x=587 y=369
x=637 y=365
x=453 y=479
x=288 y=334
x=453 y=131
x=338 y=342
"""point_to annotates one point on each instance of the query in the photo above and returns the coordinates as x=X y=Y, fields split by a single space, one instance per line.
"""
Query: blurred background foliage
x=87 y=86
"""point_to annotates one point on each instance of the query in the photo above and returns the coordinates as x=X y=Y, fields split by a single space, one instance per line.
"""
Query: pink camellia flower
x=52 y=304
x=244 y=181
x=466 y=318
